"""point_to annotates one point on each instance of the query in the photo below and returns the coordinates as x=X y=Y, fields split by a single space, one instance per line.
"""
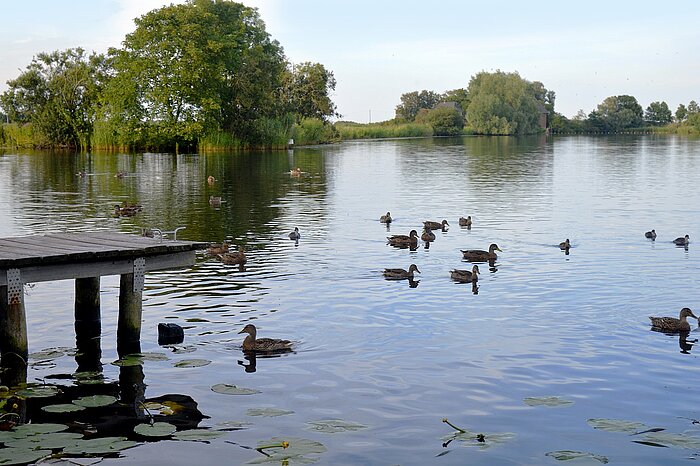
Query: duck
x=217 y=248
x=564 y=245
x=427 y=235
x=465 y=276
x=295 y=235
x=385 y=218
x=650 y=234
x=234 y=258
x=251 y=343
x=403 y=240
x=465 y=222
x=682 y=241
x=81 y=174
x=295 y=171
x=211 y=180
x=436 y=225
x=120 y=174
x=480 y=255
x=215 y=201
x=401 y=274
x=126 y=210
x=671 y=324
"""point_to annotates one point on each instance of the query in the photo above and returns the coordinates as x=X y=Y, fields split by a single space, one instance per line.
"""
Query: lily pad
x=296 y=451
x=551 y=401
x=232 y=425
x=128 y=361
x=153 y=356
x=197 y=435
x=95 y=401
x=36 y=429
x=332 y=426
x=62 y=408
x=99 y=446
x=53 y=440
x=39 y=392
x=566 y=455
x=13 y=456
x=616 y=425
x=157 y=429
x=192 y=363
x=671 y=439
x=158 y=408
x=49 y=353
x=479 y=440
x=228 y=389
x=267 y=412
x=184 y=349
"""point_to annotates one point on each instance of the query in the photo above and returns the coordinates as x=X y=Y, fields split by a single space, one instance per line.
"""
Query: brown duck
x=480 y=255
x=401 y=274
x=671 y=324
x=217 y=248
x=234 y=258
x=436 y=225
x=465 y=276
x=251 y=343
x=403 y=240
x=465 y=222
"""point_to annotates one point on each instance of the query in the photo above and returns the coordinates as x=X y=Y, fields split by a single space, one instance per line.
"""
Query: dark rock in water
x=170 y=334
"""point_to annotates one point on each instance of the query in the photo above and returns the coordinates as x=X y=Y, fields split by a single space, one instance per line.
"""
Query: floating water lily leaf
x=615 y=425
x=673 y=440
x=267 y=412
x=99 y=446
x=95 y=401
x=332 y=426
x=230 y=425
x=128 y=361
x=39 y=392
x=62 y=408
x=183 y=349
x=228 y=389
x=153 y=356
x=197 y=435
x=566 y=455
x=157 y=429
x=53 y=440
x=36 y=429
x=13 y=456
x=551 y=401
x=49 y=353
x=193 y=363
x=482 y=441
x=159 y=408
x=89 y=377
x=297 y=451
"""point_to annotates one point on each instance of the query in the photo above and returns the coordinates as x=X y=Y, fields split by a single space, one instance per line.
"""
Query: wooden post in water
x=130 y=311
x=13 y=327
x=88 y=325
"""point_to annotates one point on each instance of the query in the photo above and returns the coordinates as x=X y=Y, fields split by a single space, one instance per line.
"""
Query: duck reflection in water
x=684 y=344
x=475 y=288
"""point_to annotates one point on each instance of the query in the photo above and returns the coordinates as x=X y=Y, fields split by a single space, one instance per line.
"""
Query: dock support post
x=130 y=311
x=13 y=323
x=88 y=325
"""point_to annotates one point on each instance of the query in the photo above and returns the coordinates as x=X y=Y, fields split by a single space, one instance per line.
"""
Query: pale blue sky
x=379 y=50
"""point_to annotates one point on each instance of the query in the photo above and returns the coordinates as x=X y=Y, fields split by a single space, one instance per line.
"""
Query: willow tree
x=194 y=68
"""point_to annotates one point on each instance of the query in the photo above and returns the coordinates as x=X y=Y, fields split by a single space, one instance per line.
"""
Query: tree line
x=188 y=75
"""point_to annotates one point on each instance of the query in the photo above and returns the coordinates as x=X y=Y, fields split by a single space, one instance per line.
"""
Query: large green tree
x=307 y=90
x=412 y=102
x=505 y=103
x=658 y=114
x=58 y=94
x=681 y=113
x=193 y=68
x=616 y=113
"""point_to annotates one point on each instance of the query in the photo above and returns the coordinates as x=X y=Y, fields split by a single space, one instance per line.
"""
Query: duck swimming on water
x=682 y=241
x=671 y=324
x=650 y=234
x=465 y=222
x=465 y=276
x=436 y=225
x=404 y=240
x=401 y=274
x=295 y=235
x=480 y=255
x=251 y=343
x=385 y=218
x=565 y=245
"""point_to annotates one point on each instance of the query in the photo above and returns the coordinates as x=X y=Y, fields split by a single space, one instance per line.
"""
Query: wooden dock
x=84 y=257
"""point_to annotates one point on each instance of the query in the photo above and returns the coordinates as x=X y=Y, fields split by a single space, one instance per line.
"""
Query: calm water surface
x=379 y=353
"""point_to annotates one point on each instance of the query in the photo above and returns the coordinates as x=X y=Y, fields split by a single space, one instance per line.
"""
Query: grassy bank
x=350 y=130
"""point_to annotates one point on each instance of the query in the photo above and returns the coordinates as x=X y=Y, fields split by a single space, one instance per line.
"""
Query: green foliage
x=460 y=96
x=390 y=129
x=314 y=131
x=616 y=113
x=504 y=103
x=693 y=107
x=562 y=125
x=57 y=94
x=307 y=89
x=17 y=135
x=445 y=120
x=412 y=102
x=658 y=114
x=681 y=113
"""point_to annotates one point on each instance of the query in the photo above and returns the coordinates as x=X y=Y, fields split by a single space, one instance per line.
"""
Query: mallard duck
x=436 y=225
x=401 y=274
x=211 y=180
x=403 y=240
x=564 y=245
x=126 y=210
x=81 y=174
x=217 y=248
x=650 y=234
x=295 y=235
x=427 y=235
x=214 y=201
x=385 y=218
x=120 y=174
x=465 y=222
x=262 y=344
x=480 y=255
x=682 y=241
x=295 y=171
x=234 y=258
x=671 y=324
x=465 y=276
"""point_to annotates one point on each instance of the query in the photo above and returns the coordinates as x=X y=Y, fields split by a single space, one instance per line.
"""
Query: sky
x=379 y=50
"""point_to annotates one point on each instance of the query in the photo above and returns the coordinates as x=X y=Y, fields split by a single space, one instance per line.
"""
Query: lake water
x=391 y=359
